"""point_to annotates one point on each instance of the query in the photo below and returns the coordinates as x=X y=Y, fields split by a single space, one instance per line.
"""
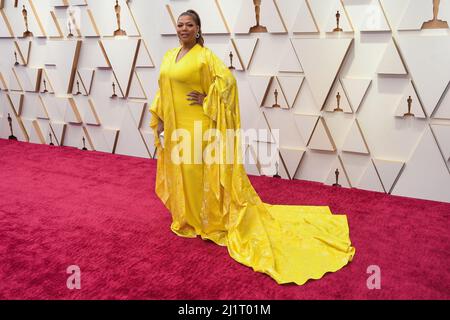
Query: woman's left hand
x=196 y=98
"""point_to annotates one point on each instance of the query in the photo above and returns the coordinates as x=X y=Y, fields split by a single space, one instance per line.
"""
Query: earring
x=198 y=35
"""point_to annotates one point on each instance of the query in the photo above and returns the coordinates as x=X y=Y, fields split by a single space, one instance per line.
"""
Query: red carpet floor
x=62 y=207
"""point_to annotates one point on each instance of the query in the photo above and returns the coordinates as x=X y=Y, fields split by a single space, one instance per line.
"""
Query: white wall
x=380 y=59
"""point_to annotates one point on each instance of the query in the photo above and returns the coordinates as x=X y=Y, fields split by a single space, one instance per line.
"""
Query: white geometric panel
x=305 y=125
x=86 y=77
x=336 y=93
x=321 y=138
x=17 y=125
x=355 y=166
x=35 y=134
x=13 y=81
x=45 y=84
x=87 y=110
x=104 y=15
x=291 y=158
x=290 y=62
x=111 y=137
x=370 y=180
x=40 y=111
x=306 y=103
x=389 y=171
x=269 y=17
x=420 y=11
x=268 y=157
x=425 y=57
x=356 y=89
x=58 y=23
x=58 y=130
x=115 y=50
x=149 y=140
x=16 y=102
x=231 y=57
x=275 y=95
x=315 y=166
x=212 y=22
x=16 y=19
x=130 y=140
x=283 y=121
x=46 y=130
x=137 y=110
x=339 y=124
x=103 y=139
x=443 y=111
x=72 y=114
x=167 y=25
x=74 y=135
x=31 y=105
x=23 y=47
x=394 y=10
x=341 y=175
x=54 y=106
x=250 y=160
x=44 y=14
x=290 y=10
x=61 y=58
x=391 y=63
x=416 y=106
x=144 y=60
x=5 y=31
x=91 y=56
x=245 y=49
x=29 y=78
x=425 y=175
x=280 y=169
x=442 y=134
x=321 y=60
x=366 y=15
x=355 y=141
x=304 y=21
x=87 y=25
x=344 y=21
x=259 y=86
x=290 y=85
x=136 y=89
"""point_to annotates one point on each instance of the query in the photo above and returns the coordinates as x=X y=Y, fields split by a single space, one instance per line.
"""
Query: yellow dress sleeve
x=156 y=107
x=222 y=91
x=157 y=113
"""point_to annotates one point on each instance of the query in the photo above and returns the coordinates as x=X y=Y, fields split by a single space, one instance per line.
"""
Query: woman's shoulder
x=171 y=51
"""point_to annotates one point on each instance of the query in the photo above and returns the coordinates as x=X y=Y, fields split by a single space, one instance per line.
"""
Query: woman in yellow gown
x=215 y=199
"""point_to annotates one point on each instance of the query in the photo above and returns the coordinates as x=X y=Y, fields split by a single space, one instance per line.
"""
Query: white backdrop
x=381 y=58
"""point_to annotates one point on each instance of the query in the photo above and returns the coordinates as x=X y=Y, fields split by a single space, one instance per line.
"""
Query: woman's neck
x=188 y=46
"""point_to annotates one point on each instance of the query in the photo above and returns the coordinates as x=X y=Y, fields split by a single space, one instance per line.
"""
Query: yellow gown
x=216 y=200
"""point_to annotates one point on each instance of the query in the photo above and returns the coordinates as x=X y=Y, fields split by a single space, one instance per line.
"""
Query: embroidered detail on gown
x=217 y=201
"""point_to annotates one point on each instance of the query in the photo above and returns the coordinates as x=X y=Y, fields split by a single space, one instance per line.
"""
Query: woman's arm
x=223 y=88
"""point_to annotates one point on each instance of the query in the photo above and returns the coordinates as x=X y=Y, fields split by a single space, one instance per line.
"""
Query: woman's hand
x=160 y=127
x=196 y=98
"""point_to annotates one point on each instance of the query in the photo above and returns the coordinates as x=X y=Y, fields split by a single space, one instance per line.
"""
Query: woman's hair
x=197 y=21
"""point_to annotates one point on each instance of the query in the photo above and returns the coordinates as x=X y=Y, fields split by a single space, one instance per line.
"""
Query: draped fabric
x=289 y=243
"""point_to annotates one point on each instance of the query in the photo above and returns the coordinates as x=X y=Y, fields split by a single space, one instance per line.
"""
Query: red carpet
x=60 y=206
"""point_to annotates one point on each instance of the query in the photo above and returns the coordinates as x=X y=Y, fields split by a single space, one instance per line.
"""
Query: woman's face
x=187 y=29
